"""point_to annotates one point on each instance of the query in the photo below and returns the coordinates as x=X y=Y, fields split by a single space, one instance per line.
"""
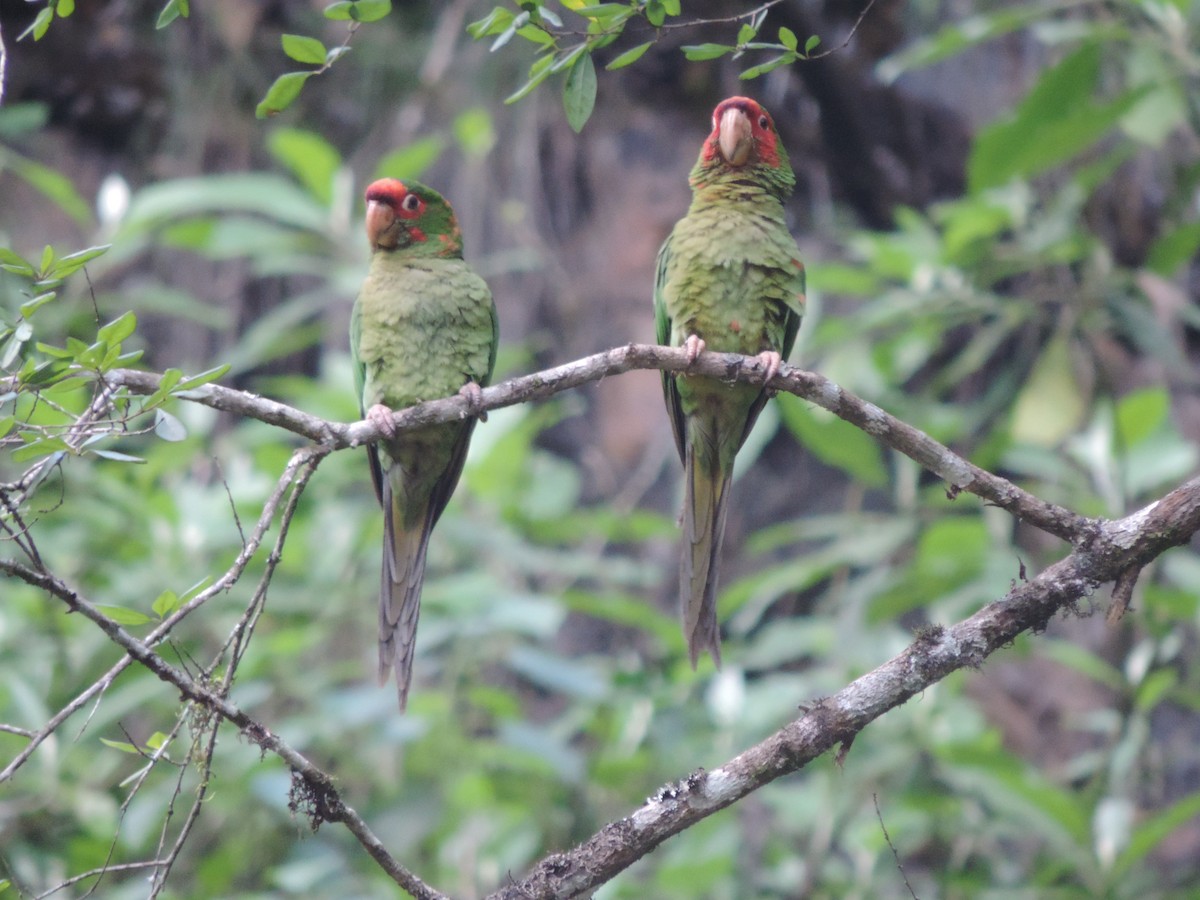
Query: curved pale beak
x=734 y=136
x=380 y=218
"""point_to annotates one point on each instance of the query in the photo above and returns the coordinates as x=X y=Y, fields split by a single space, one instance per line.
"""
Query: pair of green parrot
x=424 y=326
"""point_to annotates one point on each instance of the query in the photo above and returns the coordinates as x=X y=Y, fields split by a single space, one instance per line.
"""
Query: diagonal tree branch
x=1117 y=546
x=319 y=798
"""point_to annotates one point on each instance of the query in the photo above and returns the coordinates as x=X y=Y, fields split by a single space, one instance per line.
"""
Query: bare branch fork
x=1103 y=551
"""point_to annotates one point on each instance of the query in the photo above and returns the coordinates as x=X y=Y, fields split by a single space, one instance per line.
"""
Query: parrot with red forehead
x=730 y=280
x=423 y=327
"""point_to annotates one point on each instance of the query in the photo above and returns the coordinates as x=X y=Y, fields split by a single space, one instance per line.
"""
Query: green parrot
x=423 y=327
x=729 y=279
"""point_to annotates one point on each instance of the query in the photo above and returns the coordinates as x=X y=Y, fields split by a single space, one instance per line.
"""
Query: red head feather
x=392 y=209
x=743 y=134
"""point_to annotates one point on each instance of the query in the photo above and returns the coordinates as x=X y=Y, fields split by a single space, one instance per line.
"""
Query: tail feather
x=400 y=595
x=704 y=511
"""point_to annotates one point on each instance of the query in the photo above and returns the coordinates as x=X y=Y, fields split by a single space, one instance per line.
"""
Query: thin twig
x=849 y=36
x=895 y=853
x=98 y=873
x=299 y=459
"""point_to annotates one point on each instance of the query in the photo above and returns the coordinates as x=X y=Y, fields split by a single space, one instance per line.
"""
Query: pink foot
x=381 y=417
x=770 y=361
x=474 y=396
x=694 y=345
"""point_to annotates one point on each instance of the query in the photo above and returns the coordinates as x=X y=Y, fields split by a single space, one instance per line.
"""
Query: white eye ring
x=763 y=122
x=411 y=203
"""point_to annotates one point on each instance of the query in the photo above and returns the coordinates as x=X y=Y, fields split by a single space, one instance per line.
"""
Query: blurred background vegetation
x=999 y=204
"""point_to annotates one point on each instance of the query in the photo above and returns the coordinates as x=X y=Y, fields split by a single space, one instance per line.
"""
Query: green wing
x=662 y=332
x=360 y=384
x=444 y=488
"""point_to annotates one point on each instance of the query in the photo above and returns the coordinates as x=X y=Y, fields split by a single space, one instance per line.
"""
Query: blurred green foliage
x=979 y=321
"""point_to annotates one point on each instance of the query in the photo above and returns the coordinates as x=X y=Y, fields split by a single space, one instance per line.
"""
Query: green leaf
x=52 y=185
x=118 y=329
x=834 y=441
x=768 y=66
x=6 y=424
x=340 y=11
x=1175 y=248
x=811 y=44
x=548 y=15
x=165 y=604
x=699 y=52
x=538 y=72
x=474 y=132
x=494 y=22
x=195 y=589
x=170 y=378
x=64 y=8
x=273 y=197
x=961 y=35
x=40 y=24
x=123 y=615
x=39 y=448
x=73 y=262
x=29 y=307
x=312 y=159
x=1140 y=414
x=172 y=11
x=656 y=12
x=746 y=34
x=168 y=427
x=123 y=746
x=411 y=160
x=281 y=94
x=1155 y=829
x=787 y=37
x=629 y=56
x=1051 y=405
x=1057 y=120
x=117 y=456
x=12 y=347
x=1152 y=691
x=579 y=92
x=568 y=59
x=370 y=10
x=303 y=49
x=519 y=21
x=203 y=378
x=15 y=263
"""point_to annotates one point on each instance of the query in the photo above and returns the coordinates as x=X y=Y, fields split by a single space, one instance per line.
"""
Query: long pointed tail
x=400 y=596
x=704 y=507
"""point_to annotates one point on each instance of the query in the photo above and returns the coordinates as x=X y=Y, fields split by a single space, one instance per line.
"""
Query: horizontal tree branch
x=960 y=474
x=1117 y=547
